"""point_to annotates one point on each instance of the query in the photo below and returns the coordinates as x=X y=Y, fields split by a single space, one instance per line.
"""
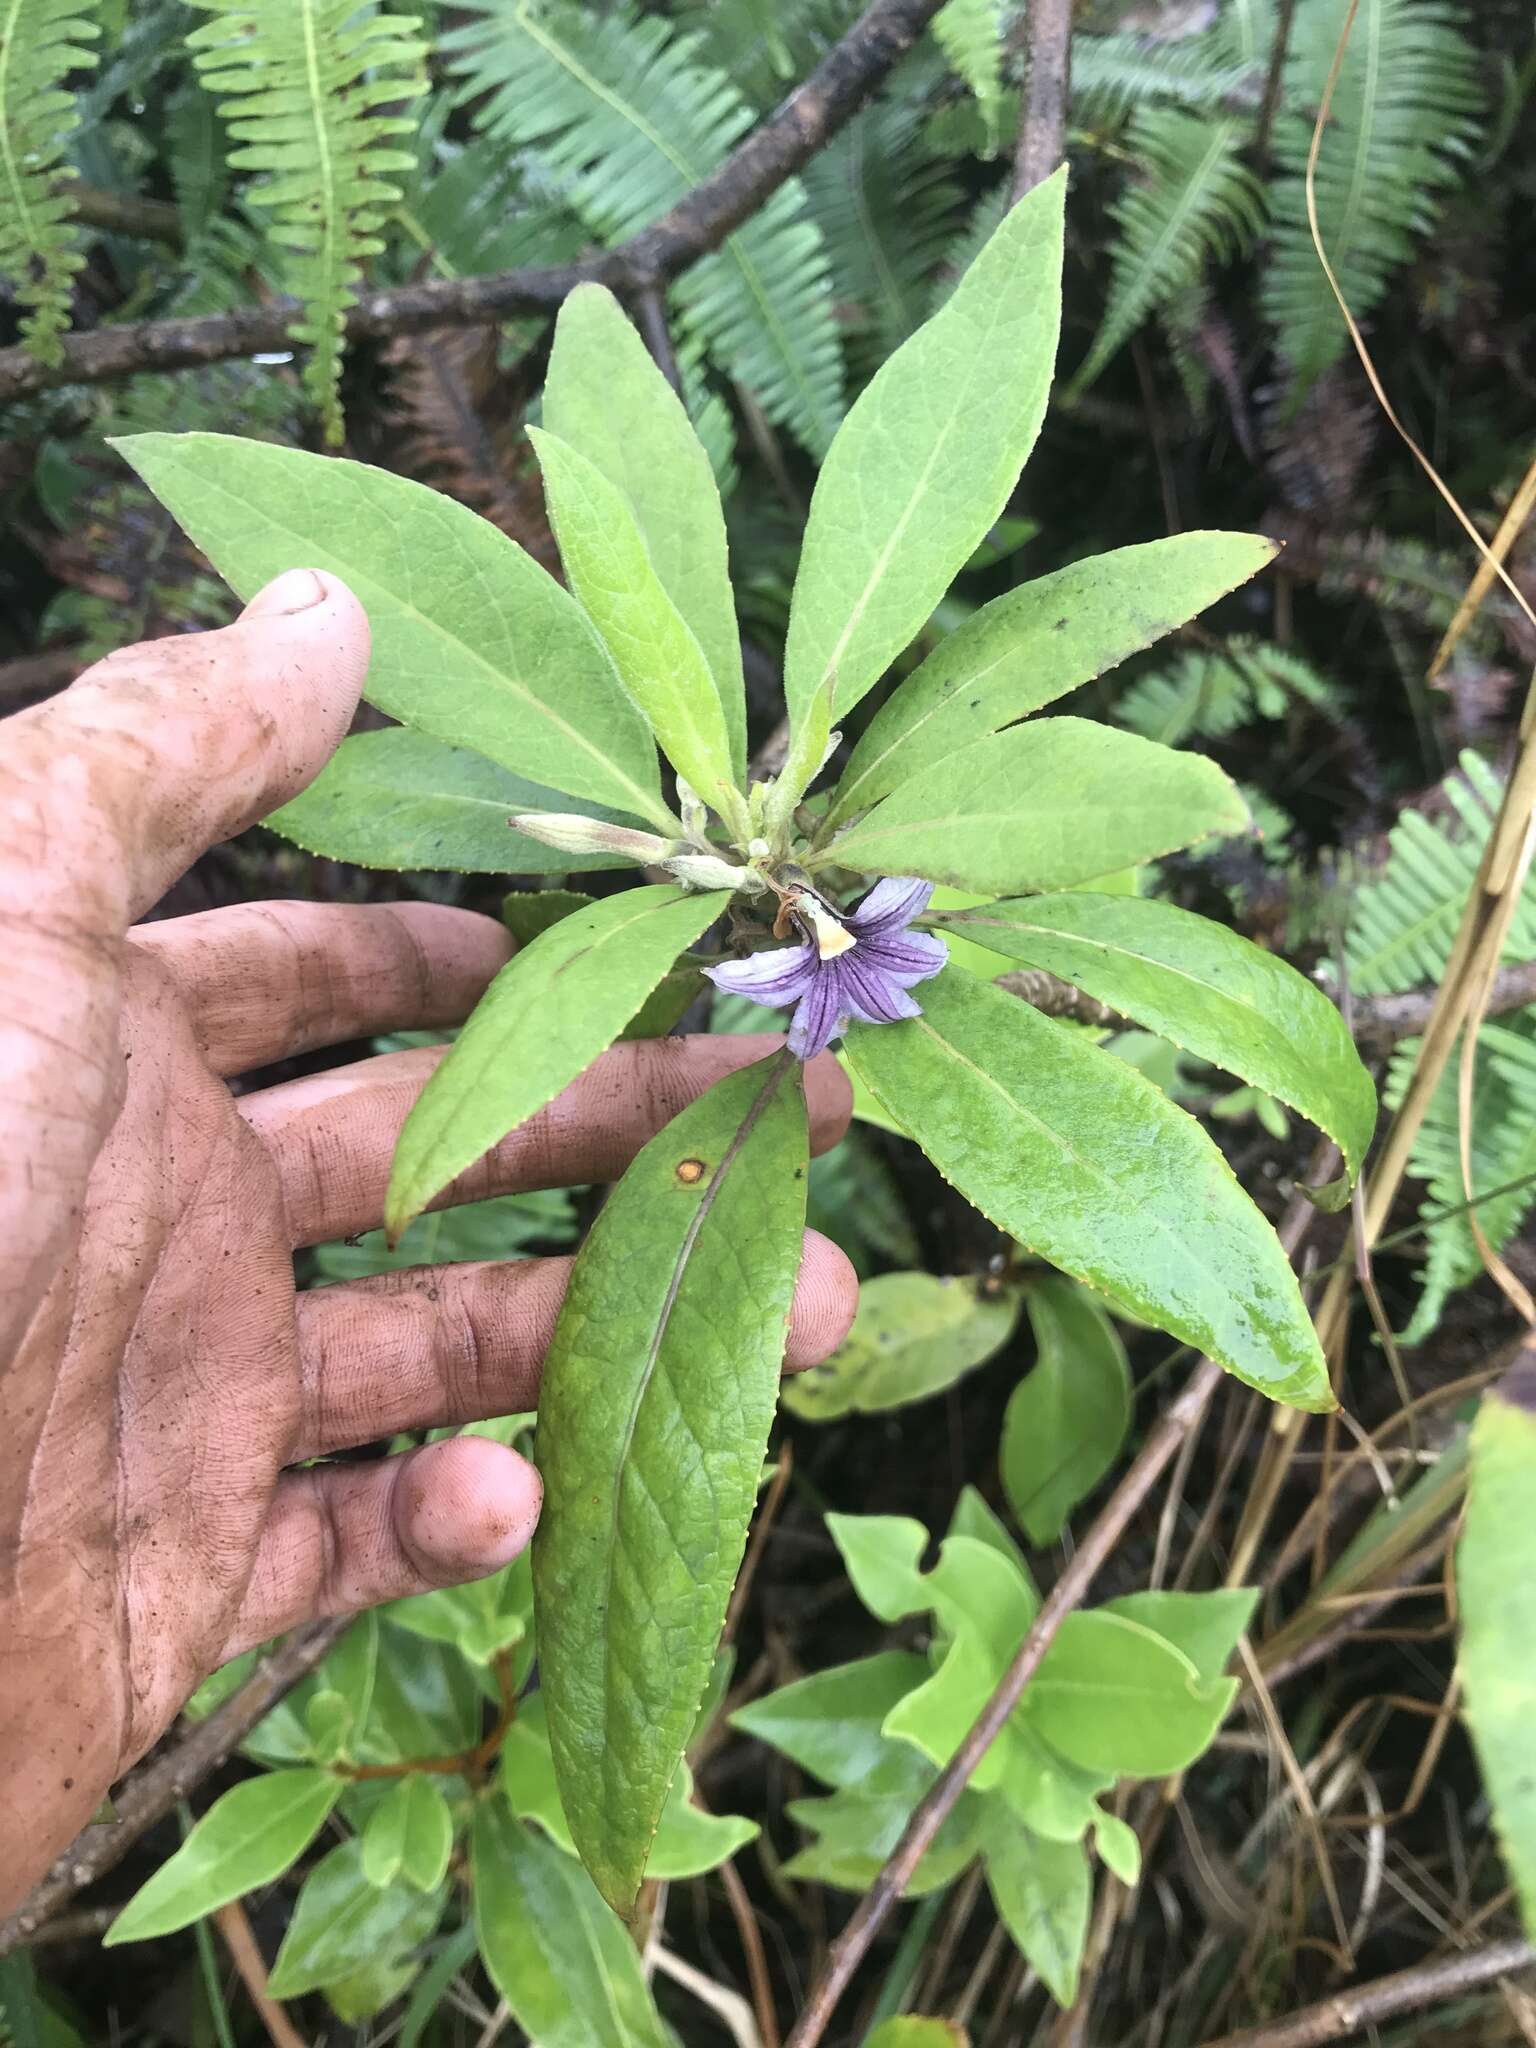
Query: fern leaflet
x=887 y=211
x=1503 y=1150
x=1403 y=120
x=305 y=80
x=1116 y=76
x=621 y=106
x=41 y=42
x=1404 y=920
x=970 y=33
x=1197 y=204
x=1206 y=695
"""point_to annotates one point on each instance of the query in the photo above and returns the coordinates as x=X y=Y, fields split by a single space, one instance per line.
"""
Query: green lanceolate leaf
x=1090 y=1165
x=830 y=1723
x=410 y=1835
x=1203 y=988
x=914 y=1335
x=926 y=459
x=565 y=1966
x=658 y=1392
x=654 y=649
x=1068 y=1416
x=605 y=397
x=245 y=1839
x=1044 y=806
x=1114 y=1697
x=473 y=642
x=548 y=1014
x=1497 y=1597
x=400 y=799
x=1032 y=645
x=1042 y=1891
x=343 y=1922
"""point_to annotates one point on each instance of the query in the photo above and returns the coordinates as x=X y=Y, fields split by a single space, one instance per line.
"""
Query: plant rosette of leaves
x=523 y=703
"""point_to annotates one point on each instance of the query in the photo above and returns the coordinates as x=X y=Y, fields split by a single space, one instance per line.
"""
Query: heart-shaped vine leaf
x=1088 y=1163
x=1044 y=806
x=658 y=1392
x=1201 y=986
x=473 y=642
x=1067 y=1418
x=546 y=1016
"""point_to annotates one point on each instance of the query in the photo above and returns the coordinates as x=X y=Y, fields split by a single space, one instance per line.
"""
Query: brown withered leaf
x=459 y=418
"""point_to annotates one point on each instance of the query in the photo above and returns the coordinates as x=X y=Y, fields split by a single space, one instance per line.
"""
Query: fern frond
x=763 y=46
x=970 y=33
x=304 y=80
x=1405 y=115
x=1196 y=204
x=887 y=210
x=41 y=43
x=1503 y=1149
x=1116 y=76
x=621 y=106
x=1404 y=919
x=1208 y=694
x=984 y=219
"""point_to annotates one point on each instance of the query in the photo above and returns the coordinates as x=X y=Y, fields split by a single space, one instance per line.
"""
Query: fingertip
x=465 y=1507
x=829 y=1100
x=826 y=1298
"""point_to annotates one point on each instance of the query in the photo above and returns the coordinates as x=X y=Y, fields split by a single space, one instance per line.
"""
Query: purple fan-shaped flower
x=864 y=982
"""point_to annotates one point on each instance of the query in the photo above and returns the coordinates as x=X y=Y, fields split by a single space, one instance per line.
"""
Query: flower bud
x=568 y=832
x=707 y=871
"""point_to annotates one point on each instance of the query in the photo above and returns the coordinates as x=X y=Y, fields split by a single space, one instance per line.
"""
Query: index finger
x=114 y=787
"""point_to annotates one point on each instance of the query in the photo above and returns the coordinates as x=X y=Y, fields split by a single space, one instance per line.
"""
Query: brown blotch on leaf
x=690 y=1171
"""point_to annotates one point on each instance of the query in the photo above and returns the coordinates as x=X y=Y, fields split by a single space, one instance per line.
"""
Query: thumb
x=161 y=750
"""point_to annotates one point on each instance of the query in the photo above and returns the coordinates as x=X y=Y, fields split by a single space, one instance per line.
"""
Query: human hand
x=163 y=1376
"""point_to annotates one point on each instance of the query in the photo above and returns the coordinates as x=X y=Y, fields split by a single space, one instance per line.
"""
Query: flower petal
x=889 y=905
x=907 y=959
x=822 y=1014
x=877 y=998
x=775 y=978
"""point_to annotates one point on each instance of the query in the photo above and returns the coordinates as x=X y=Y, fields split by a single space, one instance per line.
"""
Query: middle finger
x=332 y=1136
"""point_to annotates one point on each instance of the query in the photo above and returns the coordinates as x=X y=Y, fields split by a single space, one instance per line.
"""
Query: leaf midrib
x=360 y=581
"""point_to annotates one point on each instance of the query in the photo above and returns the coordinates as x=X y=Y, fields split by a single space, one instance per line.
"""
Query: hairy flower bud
x=570 y=833
x=708 y=871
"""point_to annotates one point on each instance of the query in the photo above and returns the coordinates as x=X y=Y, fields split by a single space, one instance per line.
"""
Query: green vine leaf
x=1068 y=1417
x=1202 y=987
x=914 y=1335
x=1044 y=806
x=658 y=1393
x=246 y=1839
x=1090 y=1165
x=926 y=459
x=473 y=643
x=548 y=1014
x=565 y=1966
x=344 y=1923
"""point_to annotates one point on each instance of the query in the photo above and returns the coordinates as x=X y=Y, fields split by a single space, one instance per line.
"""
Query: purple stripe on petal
x=889 y=905
x=775 y=978
x=913 y=956
x=821 y=1015
x=877 y=998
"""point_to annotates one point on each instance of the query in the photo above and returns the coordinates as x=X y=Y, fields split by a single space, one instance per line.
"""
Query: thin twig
x=752 y=1949
x=125 y=213
x=233 y=1924
x=651 y=319
x=1274 y=79
x=1351 y=2012
x=1043 y=122
x=699 y=223
x=150 y=1792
